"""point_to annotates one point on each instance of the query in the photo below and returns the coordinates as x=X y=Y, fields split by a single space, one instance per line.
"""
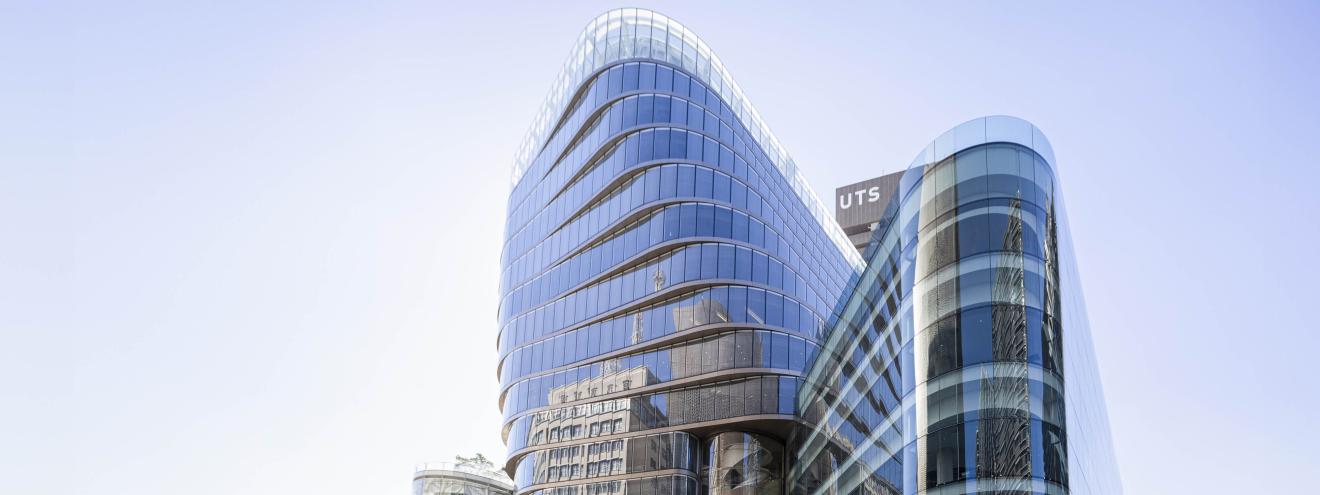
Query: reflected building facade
x=666 y=277
x=680 y=314
x=961 y=361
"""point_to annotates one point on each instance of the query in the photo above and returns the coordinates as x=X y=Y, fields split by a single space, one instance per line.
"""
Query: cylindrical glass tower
x=946 y=372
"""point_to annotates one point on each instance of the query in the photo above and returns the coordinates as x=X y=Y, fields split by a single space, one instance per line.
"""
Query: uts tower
x=961 y=361
x=667 y=274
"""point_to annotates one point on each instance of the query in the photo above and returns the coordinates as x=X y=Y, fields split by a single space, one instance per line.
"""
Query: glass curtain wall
x=962 y=360
x=666 y=272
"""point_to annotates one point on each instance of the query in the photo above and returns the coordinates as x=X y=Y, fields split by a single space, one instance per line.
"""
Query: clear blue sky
x=252 y=248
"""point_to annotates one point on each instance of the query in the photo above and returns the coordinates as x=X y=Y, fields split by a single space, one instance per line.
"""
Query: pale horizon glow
x=254 y=247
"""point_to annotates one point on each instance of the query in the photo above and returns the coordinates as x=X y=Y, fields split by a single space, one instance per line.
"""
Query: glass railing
x=632 y=33
x=490 y=473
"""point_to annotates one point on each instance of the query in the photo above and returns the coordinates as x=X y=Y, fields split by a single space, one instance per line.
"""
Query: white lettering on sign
x=863 y=196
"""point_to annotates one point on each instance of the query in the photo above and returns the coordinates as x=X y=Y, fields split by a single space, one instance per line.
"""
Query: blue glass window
x=1033 y=283
x=739 y=227
x=599 y=91
x=791 y=315
x=630 y=149
x=787 y=394
x=697 y=91
x=672 y=218
x=971 y=176
x=738 y=304
x=681 y=82
x=723 y=224
x=759 y=263
x=687 y=181
x=694 y=146
x=975 y=327
x=1032 y=243
x=973 y=236
x=651 y=183
x=616 y=81
x=705 y=220
x=975 y=286
x=662 y=104
x=580 y=347
x=709 y=252
x=616 y=119
x=756 y=233
x=721 y=295
x=755 y=306
x=721 y=192
x=774 y=309
x=1003 y=172
x=664 y=78
x=1002 y=238
x=677 y=144
x=647 y=79
x=646 y=146
x=692 y=270
x=704 y=182
x=630 y=73
x=779 y=351
x=645 y=109
x=629 y=112
x=669 y=181
x=678 y=111
x=661 y=137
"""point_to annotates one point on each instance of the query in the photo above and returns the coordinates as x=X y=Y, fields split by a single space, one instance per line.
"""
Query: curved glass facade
x=679 y=313
x=961 y=362
x=666 y=274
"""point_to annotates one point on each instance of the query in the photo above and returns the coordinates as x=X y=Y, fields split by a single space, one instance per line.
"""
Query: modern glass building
x=681 y=314
x=962 y=360
x=667 y=273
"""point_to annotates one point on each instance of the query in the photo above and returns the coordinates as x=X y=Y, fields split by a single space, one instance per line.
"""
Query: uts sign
x=860 y=197
x=858 y=206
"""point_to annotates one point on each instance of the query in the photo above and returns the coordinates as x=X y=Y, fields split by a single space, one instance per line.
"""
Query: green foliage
x=477 y=460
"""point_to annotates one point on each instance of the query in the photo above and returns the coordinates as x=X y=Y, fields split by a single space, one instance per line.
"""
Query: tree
x=477 y=460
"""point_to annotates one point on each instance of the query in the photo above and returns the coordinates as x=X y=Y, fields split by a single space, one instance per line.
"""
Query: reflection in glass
x=744 y=464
